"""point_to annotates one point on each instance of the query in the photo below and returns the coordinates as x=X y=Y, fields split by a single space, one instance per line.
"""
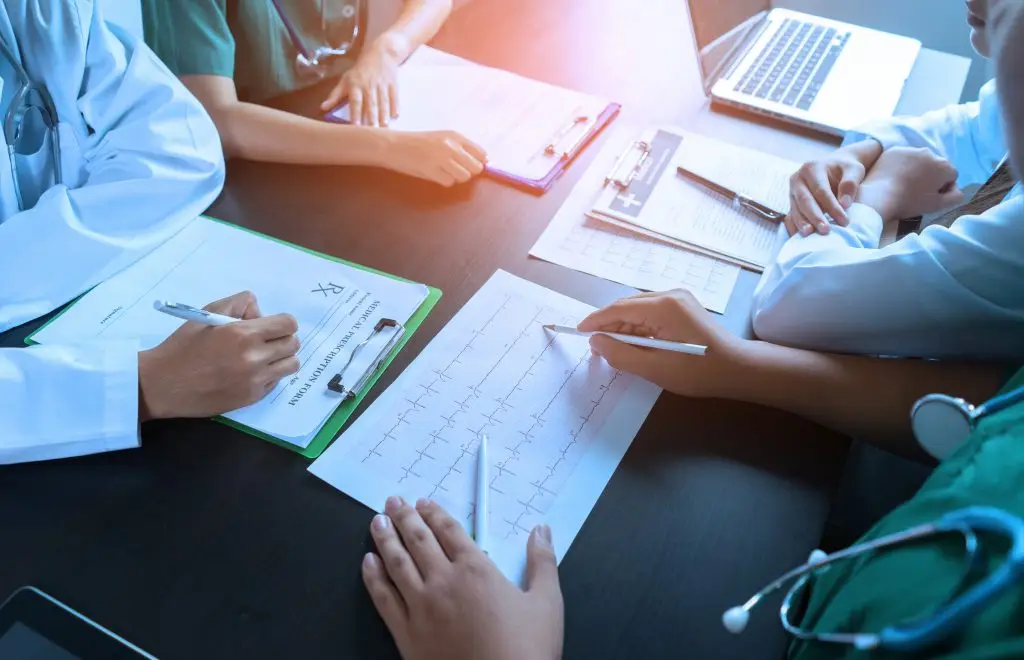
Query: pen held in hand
x=482 y=486
x=190 y=313
x=646 y=342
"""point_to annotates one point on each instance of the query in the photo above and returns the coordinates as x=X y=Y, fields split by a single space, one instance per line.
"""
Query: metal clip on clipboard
x=336 y=383
x=587 y=123
x=615 y=176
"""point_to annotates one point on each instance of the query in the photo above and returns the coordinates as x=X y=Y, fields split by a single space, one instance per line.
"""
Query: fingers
x=449 y=533
x=240 y=306
x=371 y=103
x=399 y=566
x=419 y=539
x=355 y=106
x=384 y=110
x=817 y=182
x=805 y=204
x=646 y=314
x=385 y=596
x=281 y=348
x=472 y=148
x=275 y=327
x=468 y=161
x=281 y=369
x=393 y=95
x=458 y=173
x=852 y=175
x=644 y=362
x=542 y=565
x=334 y=99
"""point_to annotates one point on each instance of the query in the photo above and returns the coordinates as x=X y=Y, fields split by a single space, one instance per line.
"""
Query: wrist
x=150 y=405
x=730 y=357
x=393 y=45
x=368 y=145
x=877 y=196
x=867 y=152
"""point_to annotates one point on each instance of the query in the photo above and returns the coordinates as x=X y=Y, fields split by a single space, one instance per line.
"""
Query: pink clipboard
x=543 y=184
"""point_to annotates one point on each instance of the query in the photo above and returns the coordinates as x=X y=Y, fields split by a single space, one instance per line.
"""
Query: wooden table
x=209 y=543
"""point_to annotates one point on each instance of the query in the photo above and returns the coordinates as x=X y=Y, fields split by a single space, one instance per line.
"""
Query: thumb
x=643 y=362
x=541 y=564
x=848 y=184
x=953 y=197
x=334 y=98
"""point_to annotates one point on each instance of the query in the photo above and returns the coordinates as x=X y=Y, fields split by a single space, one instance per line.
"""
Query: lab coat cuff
x=865 y=227
x=885 y=132
x=121 y=402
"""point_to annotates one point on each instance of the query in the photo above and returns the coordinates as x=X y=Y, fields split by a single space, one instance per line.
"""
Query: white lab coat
x=954 y=292
x=140 y=160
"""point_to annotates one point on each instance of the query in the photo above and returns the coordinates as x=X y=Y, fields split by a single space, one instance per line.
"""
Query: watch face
x=35 y=626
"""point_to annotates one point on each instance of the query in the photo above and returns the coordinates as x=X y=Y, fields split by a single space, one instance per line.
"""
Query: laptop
x=799 y=68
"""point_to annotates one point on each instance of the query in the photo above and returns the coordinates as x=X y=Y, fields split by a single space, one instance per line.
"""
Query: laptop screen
x=720 y=26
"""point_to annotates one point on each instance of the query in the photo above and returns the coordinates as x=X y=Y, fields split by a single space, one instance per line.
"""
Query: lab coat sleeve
x=63 y=401
x=152 y=159
x=971 y=136
x=947 y=292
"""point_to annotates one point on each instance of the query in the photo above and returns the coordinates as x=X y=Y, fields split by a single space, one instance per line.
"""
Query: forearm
x=259 y=133
x=868 y=398
x=418 y=23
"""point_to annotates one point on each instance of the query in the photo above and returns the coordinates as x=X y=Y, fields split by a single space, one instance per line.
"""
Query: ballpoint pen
x=190 y=313
x=754 y=206
x=635 y=340
x=482 y=486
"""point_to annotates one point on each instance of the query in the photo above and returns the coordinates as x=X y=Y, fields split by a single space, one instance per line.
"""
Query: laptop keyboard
x=793 y=65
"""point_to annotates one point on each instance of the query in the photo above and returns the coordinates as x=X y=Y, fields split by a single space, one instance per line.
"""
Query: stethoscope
x=313 y=63
x=920 y=632
x=941 y=423
x=30 y=100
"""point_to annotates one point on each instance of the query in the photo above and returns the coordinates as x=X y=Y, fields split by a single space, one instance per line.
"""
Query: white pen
x=482 y=486
x=190 y=313
x=647 y=342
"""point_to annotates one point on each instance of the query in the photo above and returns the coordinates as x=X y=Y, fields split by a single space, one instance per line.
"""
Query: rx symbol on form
x=330 y=288
x=629 y=201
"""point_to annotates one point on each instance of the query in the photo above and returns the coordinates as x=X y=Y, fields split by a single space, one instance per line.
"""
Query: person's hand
x=371 y=85
x=442 y=598
x=828 y=186
x=908 y=182
x=675 y=316
x=200 y=371
x=444 y=157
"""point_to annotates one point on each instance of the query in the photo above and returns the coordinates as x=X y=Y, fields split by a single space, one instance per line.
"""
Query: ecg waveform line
x=467 y=450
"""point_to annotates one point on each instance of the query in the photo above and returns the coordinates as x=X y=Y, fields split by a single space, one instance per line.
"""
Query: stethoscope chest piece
x=941 y=423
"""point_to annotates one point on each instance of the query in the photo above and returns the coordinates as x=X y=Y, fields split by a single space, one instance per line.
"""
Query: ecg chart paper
x=558 y=421
x=615 y=253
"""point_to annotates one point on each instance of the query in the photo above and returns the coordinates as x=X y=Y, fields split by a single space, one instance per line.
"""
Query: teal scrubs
x=870 y=593
x=245 y=40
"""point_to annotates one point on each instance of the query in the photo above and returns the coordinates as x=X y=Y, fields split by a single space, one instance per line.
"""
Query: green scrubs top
x=868 y=594
x=240 y=39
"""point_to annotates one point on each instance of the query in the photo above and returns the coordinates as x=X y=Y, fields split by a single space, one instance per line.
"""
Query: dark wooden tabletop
x=208 y=543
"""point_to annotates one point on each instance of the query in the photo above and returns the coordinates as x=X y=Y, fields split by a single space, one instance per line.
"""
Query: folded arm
x=971 y=135
x=944 y=293
x=152 y=163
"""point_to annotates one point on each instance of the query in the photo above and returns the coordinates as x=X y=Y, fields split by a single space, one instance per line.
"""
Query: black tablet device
x=35 y=626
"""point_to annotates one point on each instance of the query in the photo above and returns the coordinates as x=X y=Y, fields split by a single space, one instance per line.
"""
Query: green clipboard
x=338 y=418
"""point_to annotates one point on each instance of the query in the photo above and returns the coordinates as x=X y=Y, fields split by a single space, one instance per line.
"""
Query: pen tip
x=548 y=326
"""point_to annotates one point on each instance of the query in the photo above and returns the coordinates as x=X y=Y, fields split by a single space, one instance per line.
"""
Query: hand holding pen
x=677 y=317
x=226 y=357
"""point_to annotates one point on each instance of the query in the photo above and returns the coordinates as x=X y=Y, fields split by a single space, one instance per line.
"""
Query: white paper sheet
x=513 y=118
x=660 y=202
x=336 y=305
x=575 y=241
x=558 y=422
